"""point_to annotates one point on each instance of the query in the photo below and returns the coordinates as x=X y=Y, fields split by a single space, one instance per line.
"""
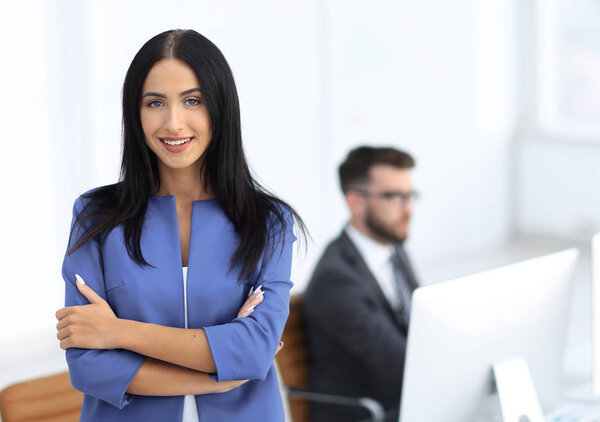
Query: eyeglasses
x=398 y=197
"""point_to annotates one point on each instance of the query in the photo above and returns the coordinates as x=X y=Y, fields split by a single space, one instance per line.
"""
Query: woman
x=183 y=240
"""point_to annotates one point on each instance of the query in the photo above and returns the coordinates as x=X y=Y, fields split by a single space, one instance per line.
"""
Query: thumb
x=87 y=291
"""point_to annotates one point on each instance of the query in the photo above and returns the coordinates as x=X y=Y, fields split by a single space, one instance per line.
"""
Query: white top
x=190 y=411
x=378 y=260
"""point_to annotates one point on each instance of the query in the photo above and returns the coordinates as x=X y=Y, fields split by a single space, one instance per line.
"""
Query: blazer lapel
x=355 y=259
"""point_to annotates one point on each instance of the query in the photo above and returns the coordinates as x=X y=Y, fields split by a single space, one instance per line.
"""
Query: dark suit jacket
x=356 y=341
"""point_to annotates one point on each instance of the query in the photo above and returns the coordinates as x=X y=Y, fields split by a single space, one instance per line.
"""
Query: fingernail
x=259 y=295
x=251 y=290
x=79 y=279
x=250 y=308
x=258 y=290
x=280 y=343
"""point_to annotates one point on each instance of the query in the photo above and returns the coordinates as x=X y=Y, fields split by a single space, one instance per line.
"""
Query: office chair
x=293 y=366
x=47 y=399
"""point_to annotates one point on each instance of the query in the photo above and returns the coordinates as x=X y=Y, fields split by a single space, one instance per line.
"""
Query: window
x=568 y=67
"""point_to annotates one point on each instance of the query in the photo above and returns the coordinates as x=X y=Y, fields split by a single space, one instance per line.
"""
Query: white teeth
x=173 y=143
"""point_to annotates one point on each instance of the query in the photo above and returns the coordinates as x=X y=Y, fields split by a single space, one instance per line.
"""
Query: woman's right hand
x=255 y=297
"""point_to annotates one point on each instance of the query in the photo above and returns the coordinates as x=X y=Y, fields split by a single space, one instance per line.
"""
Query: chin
x=401 y=236
x=177 y=164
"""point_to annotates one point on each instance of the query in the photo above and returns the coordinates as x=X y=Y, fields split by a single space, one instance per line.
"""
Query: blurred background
x=498 y=100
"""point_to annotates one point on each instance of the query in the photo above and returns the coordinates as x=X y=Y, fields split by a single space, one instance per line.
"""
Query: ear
x=356 y=202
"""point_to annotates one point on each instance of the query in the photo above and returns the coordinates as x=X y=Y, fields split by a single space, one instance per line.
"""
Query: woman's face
x=174 y=118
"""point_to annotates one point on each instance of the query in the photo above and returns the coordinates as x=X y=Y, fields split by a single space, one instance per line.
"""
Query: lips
x=177 y=144
x=175 y=141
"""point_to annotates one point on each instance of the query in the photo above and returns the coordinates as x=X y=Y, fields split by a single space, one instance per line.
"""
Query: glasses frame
x=391 y=196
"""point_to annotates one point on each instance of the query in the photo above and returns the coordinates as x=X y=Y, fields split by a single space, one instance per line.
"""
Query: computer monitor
x=460 y=328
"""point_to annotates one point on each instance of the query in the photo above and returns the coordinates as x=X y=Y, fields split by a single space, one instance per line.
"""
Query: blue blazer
x=242 y=348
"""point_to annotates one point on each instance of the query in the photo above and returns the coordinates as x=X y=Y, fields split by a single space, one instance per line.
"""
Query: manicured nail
x=251 y=290
x=259 y=295
x=250 y=309
x=280 y=344
x=79 y=279
x=257 y=289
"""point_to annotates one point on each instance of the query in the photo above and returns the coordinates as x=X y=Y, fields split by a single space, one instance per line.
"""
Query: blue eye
x=192 y=101
x=155 y=104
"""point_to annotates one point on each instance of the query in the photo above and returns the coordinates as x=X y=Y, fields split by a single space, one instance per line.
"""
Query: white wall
x=315 y=79
x=558 y=192
x=30 y=260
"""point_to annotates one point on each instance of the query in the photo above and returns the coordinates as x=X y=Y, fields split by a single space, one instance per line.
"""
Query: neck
x=185 y=184
x=361 y=227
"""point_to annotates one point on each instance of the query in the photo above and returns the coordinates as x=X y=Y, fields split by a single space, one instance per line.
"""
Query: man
x=357 y=303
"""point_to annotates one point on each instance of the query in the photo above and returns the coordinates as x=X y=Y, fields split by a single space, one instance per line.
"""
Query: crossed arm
x=178 y=360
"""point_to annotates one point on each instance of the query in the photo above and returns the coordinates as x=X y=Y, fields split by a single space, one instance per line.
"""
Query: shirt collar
x=372 y=251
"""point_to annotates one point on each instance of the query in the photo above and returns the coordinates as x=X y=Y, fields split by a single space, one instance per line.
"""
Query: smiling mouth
x=175 y=141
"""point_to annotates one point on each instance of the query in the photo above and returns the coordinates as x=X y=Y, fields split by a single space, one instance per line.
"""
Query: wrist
x=120 y=333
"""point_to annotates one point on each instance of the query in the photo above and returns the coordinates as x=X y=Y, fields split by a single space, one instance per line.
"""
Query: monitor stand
x=516 y=393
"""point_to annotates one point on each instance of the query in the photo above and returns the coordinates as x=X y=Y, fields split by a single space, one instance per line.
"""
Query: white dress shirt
x=377 y=257
x=190 y=411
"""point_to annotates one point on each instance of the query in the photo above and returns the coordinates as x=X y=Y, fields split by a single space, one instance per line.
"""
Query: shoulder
x=84 y=200
x=94 y=194
x=336 y=262
x=336 y=250
x=335 y=282
x=279 y=221
x=91 y=198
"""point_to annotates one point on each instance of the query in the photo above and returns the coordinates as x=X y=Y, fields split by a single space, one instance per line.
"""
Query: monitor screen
x=459 y=328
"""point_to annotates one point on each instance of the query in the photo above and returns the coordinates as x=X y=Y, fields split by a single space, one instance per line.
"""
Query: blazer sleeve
x=103 y=374
x=245 y=348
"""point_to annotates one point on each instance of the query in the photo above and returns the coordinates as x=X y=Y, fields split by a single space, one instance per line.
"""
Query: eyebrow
x=159 y=95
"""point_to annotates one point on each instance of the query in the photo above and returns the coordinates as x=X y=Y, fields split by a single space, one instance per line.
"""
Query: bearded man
x=357 y=304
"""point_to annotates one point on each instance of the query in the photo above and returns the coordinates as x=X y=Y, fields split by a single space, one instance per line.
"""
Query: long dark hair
x=249 y=206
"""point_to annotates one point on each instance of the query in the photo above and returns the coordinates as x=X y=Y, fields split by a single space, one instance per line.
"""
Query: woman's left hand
x=90 y=326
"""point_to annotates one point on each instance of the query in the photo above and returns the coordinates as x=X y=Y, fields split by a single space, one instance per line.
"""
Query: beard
x=385 y=231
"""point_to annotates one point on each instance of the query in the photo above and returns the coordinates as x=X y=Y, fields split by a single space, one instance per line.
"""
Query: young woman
x=165 y=269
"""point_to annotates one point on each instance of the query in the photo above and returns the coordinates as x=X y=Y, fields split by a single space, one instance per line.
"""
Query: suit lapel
x=356 y=260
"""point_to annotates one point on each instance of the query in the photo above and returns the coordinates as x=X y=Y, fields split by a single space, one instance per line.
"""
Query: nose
x=174 y=120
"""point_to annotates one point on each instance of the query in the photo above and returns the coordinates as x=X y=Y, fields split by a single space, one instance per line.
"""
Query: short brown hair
x=355 y=168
